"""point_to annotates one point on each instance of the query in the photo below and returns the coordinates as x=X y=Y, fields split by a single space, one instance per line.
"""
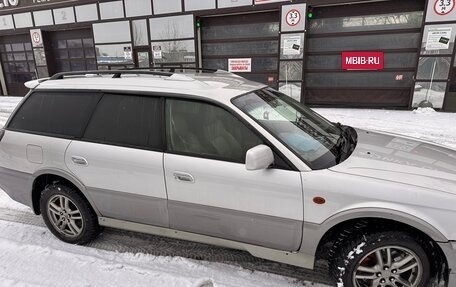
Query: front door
x=142 y=58
x=211 y=192
x=71 y=50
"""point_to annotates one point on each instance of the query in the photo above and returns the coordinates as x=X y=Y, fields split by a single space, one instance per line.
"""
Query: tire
x=68 y=215
x=363 y=261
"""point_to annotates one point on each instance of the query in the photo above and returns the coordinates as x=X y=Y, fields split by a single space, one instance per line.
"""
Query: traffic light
x=198 y=22
x=310 y=13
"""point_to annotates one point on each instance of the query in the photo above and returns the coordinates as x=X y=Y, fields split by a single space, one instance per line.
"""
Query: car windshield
x=313 y=138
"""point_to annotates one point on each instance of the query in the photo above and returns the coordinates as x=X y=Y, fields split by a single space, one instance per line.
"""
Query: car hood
x=402 y=159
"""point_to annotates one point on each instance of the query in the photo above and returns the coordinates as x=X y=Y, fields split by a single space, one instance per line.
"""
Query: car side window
x=207 y=130
x=55 y=113
x=127 y=120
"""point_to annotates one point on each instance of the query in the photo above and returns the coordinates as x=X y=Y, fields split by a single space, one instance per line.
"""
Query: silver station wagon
x=210 y=157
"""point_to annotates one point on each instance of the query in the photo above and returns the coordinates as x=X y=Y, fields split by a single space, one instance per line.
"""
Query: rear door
x=120 y=159
x=211 y=192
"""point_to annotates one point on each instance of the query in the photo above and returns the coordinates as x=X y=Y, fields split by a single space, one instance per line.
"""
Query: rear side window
x=55 y=113
x=127 y=120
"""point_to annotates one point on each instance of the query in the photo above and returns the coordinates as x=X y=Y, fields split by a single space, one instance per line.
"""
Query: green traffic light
x=310 y=15
x=198 y=24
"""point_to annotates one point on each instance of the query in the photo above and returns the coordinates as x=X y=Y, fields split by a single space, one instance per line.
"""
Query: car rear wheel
x=387 y=259
x=68 y=215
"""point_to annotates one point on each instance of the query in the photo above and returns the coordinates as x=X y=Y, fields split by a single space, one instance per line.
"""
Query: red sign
x=362 y=60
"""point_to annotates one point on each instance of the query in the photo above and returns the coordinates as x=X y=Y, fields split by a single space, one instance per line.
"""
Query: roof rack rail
x=172 y=69
x=115 y=73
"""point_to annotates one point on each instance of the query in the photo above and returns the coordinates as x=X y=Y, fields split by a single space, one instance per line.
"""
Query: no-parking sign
x=36 y=37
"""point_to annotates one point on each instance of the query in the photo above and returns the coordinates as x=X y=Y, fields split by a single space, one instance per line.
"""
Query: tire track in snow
x=132 y=242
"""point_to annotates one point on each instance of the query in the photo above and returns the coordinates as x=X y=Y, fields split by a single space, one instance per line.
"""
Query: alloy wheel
x=389 y=266
x=65 y=216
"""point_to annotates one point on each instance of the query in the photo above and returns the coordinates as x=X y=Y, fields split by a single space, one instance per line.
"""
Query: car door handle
x=184 y=177
x=79 y=160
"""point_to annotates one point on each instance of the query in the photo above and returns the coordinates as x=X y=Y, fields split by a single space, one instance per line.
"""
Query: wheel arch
x=325 y=234
x=319 y=231
x=44 y=177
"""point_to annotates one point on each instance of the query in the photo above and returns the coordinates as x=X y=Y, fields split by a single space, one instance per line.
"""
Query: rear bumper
x=17 y=185
x=449 y=249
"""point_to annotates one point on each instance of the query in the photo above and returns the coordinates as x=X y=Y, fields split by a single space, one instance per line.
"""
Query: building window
x=168 y=6
x=6 y=22
x=177 y=27
x=140 y=36
x=135 y=8
x=192 y=5
x=113 y=32
x=111 y=10
x=173 y=40
x=43 y=18
x=64 y=15
x=23 y=20
x=231 y=3
x=114 y=54
x=85 y=13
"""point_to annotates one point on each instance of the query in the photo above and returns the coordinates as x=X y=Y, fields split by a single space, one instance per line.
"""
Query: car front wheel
x=388 y=259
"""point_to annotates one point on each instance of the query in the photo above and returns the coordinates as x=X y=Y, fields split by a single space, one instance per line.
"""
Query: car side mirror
x=259 y=157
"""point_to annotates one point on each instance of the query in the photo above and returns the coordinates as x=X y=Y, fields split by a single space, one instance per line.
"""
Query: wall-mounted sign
x=293 y=17
x=8 y=3
x=128 y=55
x=291 y=44
x=15 y=4
x=241 y=65
x=36 y=37
x=441 y=11
x=443 y=7
x=438 y=38
x=157 y=52
x=362 y=60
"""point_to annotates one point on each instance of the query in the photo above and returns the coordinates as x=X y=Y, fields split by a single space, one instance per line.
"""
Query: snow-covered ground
x=31 y=256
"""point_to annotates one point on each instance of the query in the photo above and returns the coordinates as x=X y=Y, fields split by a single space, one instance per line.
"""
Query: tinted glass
x=360 y=79
x=250 y=30
x=406 y=20
x=55 y=113
x=207 y=130
x=128 y=121
x=175 y=51
x=369 y=42
x=241 y=48
x=433 y=68
x=167 y=28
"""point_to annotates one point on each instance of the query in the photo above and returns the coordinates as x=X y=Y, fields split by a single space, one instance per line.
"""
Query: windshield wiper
x=346 y=142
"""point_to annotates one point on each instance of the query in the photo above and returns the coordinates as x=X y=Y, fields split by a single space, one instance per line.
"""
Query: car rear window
x=55 y=113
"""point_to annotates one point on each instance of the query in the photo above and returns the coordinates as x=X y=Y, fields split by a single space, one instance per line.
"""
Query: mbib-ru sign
x=362 y=60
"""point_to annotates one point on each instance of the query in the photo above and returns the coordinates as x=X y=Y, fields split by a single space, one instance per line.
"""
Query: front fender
x=313 y=233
